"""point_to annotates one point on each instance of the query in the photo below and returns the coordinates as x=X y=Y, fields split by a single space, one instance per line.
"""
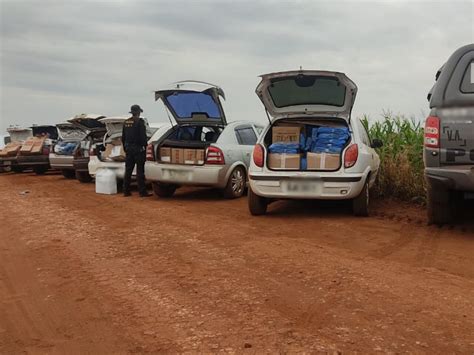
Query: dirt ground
x=87 y=273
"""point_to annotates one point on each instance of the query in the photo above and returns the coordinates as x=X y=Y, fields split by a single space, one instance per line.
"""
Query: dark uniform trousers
x=135 y=155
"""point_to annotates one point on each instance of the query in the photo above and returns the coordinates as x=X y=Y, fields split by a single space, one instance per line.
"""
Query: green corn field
x=401 y=169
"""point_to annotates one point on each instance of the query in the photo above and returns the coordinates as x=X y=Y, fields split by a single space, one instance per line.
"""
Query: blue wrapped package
x=288 y=148
x=338 y=131
x=334 y=141
x=327 y=149
x=302 y=141
x=303 y=163
x=332 y=136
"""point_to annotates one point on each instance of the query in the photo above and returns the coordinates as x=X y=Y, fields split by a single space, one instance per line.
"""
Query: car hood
x=307 y=92
x=193 y=102
x=88 y=121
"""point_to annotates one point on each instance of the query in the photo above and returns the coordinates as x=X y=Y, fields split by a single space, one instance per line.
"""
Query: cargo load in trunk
x=307 y=144
x=187 y=144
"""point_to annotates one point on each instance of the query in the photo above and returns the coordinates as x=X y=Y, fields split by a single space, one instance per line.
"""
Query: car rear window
x=186 y=104
x=307 y=90
x=467 y=84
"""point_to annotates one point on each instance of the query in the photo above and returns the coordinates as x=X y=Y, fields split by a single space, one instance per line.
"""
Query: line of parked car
x=311 y=148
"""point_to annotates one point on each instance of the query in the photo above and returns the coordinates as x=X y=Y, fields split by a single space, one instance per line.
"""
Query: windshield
x=307 y=90
x=187 y=104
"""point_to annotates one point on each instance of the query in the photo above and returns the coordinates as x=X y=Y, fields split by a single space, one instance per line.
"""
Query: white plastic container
x=105 y=182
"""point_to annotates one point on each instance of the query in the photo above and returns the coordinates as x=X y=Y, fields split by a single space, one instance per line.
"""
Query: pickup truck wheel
x=17 y=169
x=83 y=176
x=236 y=185
x=40 y=170
x=257 y=204
x=163 y=190
x=68 y=174
x=360 y=205
x=439 y=202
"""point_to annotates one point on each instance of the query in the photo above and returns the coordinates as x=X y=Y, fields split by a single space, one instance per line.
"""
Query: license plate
x=177 y=174
x=300 y=186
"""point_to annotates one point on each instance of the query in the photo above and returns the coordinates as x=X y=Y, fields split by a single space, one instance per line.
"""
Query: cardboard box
x=286 y=134
x=28 y=145
x=165 y=155
x=177 y=155
x=189 y=156
x=323 y=161
x=117 y=153
x=200 y=156
x=284 y=161
x=38 y=145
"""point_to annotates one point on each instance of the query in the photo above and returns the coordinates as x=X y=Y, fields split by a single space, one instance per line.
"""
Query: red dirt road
x=87 y=273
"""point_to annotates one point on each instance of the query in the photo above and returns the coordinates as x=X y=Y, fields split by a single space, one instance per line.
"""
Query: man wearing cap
x=134 y=141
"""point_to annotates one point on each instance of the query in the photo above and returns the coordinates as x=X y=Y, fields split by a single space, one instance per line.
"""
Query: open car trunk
x=70 y=137
x=187 y=144
x=312 y=144
x=43 y=137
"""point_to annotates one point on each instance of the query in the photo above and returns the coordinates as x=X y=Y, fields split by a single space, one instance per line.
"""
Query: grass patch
x=401 y=157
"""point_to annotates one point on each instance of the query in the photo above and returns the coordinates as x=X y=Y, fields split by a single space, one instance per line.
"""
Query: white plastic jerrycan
x=105 y=182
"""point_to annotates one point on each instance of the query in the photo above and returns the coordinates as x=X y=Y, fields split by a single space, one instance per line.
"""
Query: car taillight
x=150 y=155
x=351 y=155
x=258 y=155
x=214 y=156
x=92 y=152
x=45 y=151
x=432 y=132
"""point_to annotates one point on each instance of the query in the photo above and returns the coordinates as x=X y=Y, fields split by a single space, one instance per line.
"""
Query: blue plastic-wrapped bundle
x=329 y=139
x=331 y=149
x=340 y=131
x=288 y=148
x=65 y=148
x=303 y=163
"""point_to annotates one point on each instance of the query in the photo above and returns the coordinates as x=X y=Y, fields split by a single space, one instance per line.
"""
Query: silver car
x=202 y=149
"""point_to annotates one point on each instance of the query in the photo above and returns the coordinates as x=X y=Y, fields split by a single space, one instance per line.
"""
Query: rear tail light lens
x=214 y=156
x=432 y=132
x=45 y=151
x=351 y=155
x=150 y=155
x=258 y=155
x=92 y=152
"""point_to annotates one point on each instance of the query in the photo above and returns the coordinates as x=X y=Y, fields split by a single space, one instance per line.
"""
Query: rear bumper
x=33 y=160
x=61 y=161
x=459 y=178
x=118 y=167
x=8 y=161
x=81 y=164
x=193 y=175
x=323 y=188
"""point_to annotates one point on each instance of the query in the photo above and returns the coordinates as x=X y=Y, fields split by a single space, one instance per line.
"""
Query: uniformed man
x=134 y=141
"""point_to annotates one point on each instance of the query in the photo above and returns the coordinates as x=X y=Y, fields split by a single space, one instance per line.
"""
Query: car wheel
x=257 y=204
x=163 y=190
x=17 y=169
x=360 y=205
x=83 y=176
x=440 y=204
x=236 y=185
x=68 y=174
x=40 y=170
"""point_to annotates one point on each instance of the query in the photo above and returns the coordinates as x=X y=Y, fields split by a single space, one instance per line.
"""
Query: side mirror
x=376 y=143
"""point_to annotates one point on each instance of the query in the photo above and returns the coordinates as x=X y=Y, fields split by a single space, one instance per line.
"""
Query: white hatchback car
x=318 y=100
x=114 y=127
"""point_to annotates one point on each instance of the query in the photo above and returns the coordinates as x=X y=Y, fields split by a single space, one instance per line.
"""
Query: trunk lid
x=194 y=102
x=88 y=122
x=114 y=125
x=307 y=92
x=19 y=134
x=70 y=132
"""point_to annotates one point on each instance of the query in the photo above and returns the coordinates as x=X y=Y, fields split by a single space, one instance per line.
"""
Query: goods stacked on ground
x=307 y=147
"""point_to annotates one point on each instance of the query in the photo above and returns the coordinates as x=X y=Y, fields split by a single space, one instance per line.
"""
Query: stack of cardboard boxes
x=114 y=150
x=285 y=159
x=33 y=145
x=11 y=149
x=182 y=156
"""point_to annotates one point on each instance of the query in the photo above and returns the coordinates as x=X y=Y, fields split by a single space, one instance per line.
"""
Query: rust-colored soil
x=88 y=273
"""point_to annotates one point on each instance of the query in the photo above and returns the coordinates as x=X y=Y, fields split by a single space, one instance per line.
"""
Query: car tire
x=440 y=204
x=235 y=187
x=83 y=177
x=360 y=205
x=163 y=190
x=257 y=204
x=17 y=169
x=40 y=170
x=68 y=174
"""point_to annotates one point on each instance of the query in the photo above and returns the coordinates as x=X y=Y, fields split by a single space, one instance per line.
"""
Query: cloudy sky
x=61 y=57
